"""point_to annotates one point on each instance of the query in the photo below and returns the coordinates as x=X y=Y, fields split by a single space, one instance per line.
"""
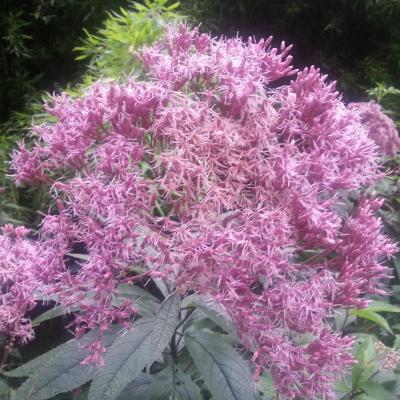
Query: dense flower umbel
x=217 y=178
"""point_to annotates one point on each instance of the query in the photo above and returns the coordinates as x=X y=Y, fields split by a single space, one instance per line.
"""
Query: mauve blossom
x=208 y=177
x=381 y=129
x=23 y=270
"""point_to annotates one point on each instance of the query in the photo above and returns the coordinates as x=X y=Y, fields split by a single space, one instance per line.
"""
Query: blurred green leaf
x=372 y=316
x=380 y=306
x=267 y=387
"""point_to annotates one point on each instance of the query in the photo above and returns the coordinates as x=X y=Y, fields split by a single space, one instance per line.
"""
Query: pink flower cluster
x=381 y=129
x=23 y=271
x=222 y=179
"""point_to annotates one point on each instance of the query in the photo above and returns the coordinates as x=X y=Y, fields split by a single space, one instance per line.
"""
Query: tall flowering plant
x=220 y=184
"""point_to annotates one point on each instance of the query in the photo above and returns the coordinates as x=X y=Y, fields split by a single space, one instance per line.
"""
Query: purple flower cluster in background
x=223 y=180
x=381 y=129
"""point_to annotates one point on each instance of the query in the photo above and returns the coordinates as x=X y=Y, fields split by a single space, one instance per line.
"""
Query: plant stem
x=185 y=318
x=353 y=393
x=173 y=381
x=174 y=350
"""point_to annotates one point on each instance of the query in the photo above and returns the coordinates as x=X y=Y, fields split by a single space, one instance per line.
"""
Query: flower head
x=209 y=177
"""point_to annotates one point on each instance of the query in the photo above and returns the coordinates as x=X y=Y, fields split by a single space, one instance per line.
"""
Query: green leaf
x=173 y=6
x=396 y=326
x=31 y=366
x=397 y=265
x=135 y=350
x=213 y=311
x=134 y=292
x=224 y=371
x=366 y=356
x=372 y=316
x=62 y=371
x=4 y=390
x=267 y=387
x=144 y=300
x=165 y=323
x=124 y=362
x=374 y=390
x=137 y=389
x=396 y=344
x=163 y=386
x=34 y=365
x=186 y=388
x=381 y=306
x=55 y=312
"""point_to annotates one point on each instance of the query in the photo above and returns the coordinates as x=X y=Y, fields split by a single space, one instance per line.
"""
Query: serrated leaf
x=137 y=389
x=34 y=365
x=372 y=316
x=135 y=350
x=225 y=372
x=62 y=372
x=124 y=361
x=64 y=376
x=164 y=326
x=31 y=366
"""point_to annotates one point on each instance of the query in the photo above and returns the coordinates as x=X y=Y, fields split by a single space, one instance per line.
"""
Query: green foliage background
x=37 y=38
x=354 y=41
